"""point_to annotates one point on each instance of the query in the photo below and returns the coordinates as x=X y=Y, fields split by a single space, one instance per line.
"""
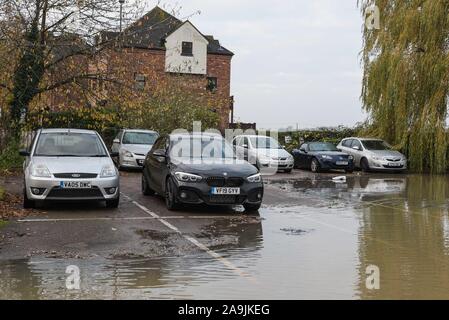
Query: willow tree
x=406 y=78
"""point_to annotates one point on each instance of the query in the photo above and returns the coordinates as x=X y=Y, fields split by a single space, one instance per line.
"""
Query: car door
x=356 y=151
x=157 y=165
x=301 y=156
x=346 y=146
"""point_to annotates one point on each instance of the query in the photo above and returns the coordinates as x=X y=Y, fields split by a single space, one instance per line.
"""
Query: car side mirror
x=356 y=148
x=114 y=154
x=116 y=141
x=160 y=155
x=24 y=153
x=303 y=150
x=244 y=146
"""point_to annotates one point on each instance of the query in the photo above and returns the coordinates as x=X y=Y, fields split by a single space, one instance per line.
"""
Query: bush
x=10 y=158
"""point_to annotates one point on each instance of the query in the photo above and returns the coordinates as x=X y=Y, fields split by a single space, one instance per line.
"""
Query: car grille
x=226 y=199
x=393 y=159
x=224 y=182
x=57 y=192
x=75 y=175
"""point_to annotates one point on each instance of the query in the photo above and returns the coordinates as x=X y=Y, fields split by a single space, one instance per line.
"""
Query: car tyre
x=170 y=198
x=251 y=207
x=113 y=204
x=146 y=190
x=27 y=203
x=315 y=166
x=364 y=165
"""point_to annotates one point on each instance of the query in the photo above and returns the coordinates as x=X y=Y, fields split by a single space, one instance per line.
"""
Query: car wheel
x=113 y=204
x=27 y=203
x=146 y=190
x=364 y=165
x=252 y=207
x=170 y=198
x=315 y=166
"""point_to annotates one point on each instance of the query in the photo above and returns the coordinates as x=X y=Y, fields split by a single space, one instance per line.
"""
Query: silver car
x=373 y=154
x=69 y=165
x=133 y=147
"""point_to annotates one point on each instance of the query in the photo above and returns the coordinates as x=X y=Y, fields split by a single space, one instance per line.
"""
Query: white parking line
x=194 y=241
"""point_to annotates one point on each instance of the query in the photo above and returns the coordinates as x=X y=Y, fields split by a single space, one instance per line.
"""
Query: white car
x=133 y=147
x=69 y=165
x=263 y=152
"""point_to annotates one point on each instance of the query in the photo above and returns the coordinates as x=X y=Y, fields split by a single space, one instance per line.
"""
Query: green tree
x=406 y=78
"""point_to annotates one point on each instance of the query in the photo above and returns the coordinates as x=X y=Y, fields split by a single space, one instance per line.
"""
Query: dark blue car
x=322 y=156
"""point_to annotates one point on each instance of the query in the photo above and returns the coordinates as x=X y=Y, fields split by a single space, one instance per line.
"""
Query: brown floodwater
x=317 y=244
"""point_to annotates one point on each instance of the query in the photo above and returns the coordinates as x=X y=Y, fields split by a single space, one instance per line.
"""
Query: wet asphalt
x=314 y=237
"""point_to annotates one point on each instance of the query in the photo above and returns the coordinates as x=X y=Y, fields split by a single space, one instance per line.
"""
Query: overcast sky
x=296 y=61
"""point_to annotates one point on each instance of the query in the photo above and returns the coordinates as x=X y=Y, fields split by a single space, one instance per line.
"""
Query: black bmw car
x=200 y=169
x=321 y=156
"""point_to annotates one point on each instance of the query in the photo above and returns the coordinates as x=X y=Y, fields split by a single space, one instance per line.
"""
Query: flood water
x=315 y=245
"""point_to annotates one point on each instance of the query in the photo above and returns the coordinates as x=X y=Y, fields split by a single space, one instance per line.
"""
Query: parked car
x=132 y=147
x=69 y=165
x=200 y=169
x=263 y=152
x=373 y=154
x=318 y=156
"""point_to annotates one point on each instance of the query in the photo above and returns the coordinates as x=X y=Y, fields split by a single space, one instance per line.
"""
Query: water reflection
x=120 y=278
x=407 y=239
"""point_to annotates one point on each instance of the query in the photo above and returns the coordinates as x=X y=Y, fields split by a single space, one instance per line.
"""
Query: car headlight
x=40 y=171
x=351 y=157
x=187 y=177
x=255 y=178
x=376 y=158
x=127 y=154
x=326 y=157
x=108 y=172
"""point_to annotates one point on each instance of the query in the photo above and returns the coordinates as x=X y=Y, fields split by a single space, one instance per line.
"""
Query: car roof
x=364 y=139
x=139 y=130
x=252 y=136
x=67 y=130
x=196 y=135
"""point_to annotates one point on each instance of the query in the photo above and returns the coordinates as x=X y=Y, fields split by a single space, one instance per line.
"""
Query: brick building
x=159 y=47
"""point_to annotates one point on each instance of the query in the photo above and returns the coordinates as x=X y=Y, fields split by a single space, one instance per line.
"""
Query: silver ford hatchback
x=69 y=165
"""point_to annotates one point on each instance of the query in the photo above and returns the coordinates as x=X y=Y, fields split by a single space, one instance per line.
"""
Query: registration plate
x=395 y=165
x=223 y=191
x=75 y=185
x=342 y=163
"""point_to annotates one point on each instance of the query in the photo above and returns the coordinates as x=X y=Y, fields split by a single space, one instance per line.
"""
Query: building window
x=212 y=84
x=140 y=81
x=187 y=49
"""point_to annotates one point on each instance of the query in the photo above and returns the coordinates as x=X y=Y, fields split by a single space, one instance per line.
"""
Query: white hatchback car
x=133 y=147
x=263 y=152
x=69 y=165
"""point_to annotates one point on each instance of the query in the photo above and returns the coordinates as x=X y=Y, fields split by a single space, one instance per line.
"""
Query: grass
x=2 y=194
x=3 y=223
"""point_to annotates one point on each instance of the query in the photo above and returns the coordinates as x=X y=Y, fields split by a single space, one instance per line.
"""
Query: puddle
x=318 y=247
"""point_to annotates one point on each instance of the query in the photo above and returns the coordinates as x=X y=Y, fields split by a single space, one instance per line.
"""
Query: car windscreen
x=61 y=144
x=322 y=147
x=143 y=138
x=265 y=143
x=201 y=148
x=375 y=145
